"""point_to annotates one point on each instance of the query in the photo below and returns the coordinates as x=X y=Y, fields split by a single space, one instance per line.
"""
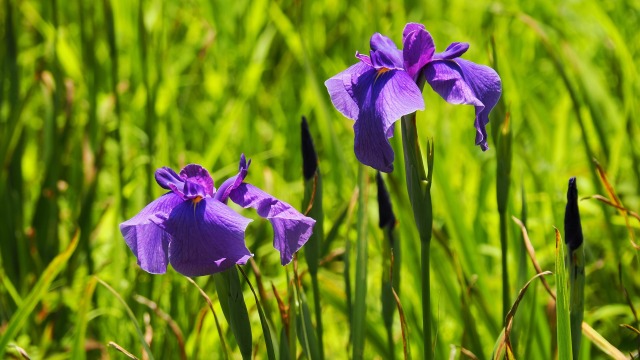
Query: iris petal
x=168 y=179
x=383 y=97
x=208 y=237
x=454 y=50
x=147 y=241
x=418 y=48
x=233 y=182
x=337 y=87
x=291 y=229
x=199 y=175
x=462 y=82
x=384 y=53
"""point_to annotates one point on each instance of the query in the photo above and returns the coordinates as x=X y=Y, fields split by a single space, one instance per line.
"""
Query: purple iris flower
x=192 y=227
x=382 y=87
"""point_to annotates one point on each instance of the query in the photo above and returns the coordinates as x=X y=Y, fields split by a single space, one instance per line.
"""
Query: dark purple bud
x=309 y=156
x=572 y=228
x=387 y=217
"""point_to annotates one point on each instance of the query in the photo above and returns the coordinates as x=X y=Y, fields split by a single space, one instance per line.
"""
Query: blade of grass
x=503 y=180
x=131 y=316
x=272 y=347
x=122 y=350
x=37 y=293
x=228 y=283
x=225 y=349
x=360 y=300
x=504 y=342
x=78 y=350
x=562 y=303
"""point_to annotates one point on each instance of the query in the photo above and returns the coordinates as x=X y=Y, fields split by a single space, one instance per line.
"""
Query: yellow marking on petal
x=195 y=201
x=380 y=72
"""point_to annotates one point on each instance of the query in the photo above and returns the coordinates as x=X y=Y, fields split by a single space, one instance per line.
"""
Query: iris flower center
x=380 y=72
x=197 y=199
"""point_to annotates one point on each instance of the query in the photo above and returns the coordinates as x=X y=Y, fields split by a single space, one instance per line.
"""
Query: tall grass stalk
x=419 y=189
x=362 y=253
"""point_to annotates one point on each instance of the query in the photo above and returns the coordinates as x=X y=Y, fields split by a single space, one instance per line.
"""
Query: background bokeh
x=95 y=95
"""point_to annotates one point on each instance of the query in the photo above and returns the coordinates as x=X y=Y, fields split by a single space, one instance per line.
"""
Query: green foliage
x=95 y=95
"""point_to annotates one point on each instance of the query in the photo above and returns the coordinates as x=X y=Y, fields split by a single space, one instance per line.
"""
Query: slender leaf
x=37 y=293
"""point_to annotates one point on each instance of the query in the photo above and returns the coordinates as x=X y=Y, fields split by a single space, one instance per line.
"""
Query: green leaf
x=360 y=300
x=562 y=303
x=36 y=294
x=230 y=291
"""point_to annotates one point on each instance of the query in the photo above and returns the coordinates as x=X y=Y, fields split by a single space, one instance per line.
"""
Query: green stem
x=419 y=189
x=318 y=311
x=360 y=305
x=506 y=301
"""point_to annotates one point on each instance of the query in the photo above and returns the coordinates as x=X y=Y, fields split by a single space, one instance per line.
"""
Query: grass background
x=96 y=95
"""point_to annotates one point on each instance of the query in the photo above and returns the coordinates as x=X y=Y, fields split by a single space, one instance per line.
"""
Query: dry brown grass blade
x=610 y=203
x=122 y=350
x=468 y=354
x=602 y=343
x=403 y=325
x=514 y=307
x=626 y=326
x=618 y=204
x=148 y=333
x=164 y=316
x=532 y=254
x=284 y=309
x=21 y=351
x=313 y=194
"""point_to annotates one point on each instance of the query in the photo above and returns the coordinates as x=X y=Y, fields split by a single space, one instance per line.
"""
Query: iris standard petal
x=168 y=179
x=147 y=241
x=462 y=82
x=384 y=53
x=233 y=182
x=337 y=87
x=291 y=229
x=418 y=49
x=199 y=175
x=383 y=97
x=454 y=50
x=208 y=237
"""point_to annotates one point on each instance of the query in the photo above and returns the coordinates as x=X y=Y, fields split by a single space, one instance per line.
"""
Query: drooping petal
x=418 y=48
x=454 y=50
x=462 y=82
x=337 y=87
x=198 y=175
x=291 y=229
x=384 y=53
x=383 y=97
x=208 y=237
x=168 y=179
x=233 y=182
x=147 y=241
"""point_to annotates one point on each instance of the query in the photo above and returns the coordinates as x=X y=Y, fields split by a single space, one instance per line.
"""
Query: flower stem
x=419 y=189
x=506 y=297
x=358 y=326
